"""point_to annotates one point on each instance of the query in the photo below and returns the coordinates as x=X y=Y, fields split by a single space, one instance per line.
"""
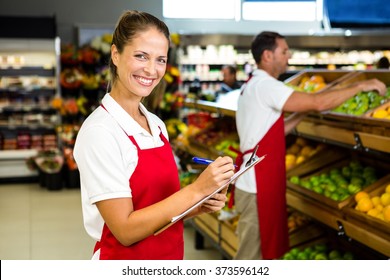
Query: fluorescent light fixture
x=200 y=9
x=282 y=10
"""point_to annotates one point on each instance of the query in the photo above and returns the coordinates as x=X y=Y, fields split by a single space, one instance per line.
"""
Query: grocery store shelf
x=17 y=154
x=357 y=133
x=336 y=220
x=212 y=107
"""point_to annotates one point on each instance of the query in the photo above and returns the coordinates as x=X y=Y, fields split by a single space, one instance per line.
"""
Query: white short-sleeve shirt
x=259 y=107
x=106 y=157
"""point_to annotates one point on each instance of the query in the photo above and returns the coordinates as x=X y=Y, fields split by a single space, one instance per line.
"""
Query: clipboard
x=232 y=179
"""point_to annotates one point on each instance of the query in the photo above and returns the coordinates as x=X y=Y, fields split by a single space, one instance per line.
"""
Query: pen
x=200 y=160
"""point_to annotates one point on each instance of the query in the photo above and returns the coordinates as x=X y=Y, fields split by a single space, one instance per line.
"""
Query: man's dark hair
x=265 y=40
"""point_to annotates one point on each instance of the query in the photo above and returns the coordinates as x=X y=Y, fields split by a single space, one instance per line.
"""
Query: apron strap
x=239 y=162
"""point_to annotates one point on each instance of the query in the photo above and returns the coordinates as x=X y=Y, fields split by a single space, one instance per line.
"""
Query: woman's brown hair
x=129 y=25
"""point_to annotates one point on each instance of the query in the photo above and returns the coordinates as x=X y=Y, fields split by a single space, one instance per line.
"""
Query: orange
x=319 y=86
x=360 y=195
x=386 y=213
x=317 y=79
x=387 y=190
x=365 y=204
x=385 y=199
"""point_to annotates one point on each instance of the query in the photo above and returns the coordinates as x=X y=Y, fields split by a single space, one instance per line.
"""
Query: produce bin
x=382 y=75
x=380 y=227
x=331 y=78
x=381 y=170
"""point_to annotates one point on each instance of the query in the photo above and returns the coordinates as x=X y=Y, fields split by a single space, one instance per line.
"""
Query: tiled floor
x=38 y=224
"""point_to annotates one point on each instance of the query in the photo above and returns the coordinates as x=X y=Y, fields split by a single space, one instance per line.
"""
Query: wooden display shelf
x=367 y=237
x=382 y=170
x=332 y=218
x=327 y=132
x=209 y=106
x=313 y=209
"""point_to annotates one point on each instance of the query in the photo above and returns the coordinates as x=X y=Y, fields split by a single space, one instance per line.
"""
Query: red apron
x=271 y=193
x=154 y=179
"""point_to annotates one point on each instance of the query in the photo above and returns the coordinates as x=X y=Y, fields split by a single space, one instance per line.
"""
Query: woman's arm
x=129 y=226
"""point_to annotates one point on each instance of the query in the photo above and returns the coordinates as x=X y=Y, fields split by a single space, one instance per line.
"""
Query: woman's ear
x=114 y=54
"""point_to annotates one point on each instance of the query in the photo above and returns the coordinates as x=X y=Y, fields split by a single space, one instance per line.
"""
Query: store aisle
x=38 y=224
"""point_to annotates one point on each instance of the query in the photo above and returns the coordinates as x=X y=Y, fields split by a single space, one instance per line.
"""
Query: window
x=202 y=9
x=282 y=10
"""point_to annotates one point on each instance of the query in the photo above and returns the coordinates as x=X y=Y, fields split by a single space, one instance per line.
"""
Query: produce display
x=320 y=251
x=383 y=111
x=300 y=151
x=219 y=138
x=310 y=84
x=377 y=206
x=361 y=103
x=339 y=183
x=296 y=220
x=187 y=178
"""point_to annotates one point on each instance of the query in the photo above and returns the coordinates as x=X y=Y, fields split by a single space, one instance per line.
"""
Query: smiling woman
x=129 y=179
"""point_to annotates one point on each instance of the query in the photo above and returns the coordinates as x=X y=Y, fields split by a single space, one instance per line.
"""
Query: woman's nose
x=150 y=68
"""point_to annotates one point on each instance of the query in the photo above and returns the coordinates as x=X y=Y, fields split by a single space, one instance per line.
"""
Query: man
x=230 y=82
x=260 y=193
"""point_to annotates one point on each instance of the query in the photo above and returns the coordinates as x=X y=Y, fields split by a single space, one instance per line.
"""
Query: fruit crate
x=331 y=78
x=223 y=129
x=385 y=106
x=382 y=75
x=370 y=223
x=375 y=125
x=326 y=156
x=381 y=169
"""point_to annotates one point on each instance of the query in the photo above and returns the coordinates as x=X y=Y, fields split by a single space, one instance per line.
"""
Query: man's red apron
x=271 y=193
x=154 y=179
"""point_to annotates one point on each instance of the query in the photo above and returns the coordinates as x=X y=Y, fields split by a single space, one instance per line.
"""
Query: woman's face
x=142 y=63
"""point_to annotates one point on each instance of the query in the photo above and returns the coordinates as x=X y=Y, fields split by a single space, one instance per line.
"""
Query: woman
x=129 y=179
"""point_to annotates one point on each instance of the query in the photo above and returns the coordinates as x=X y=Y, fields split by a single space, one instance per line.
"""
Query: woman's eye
x=140 y=56
x=162 y=60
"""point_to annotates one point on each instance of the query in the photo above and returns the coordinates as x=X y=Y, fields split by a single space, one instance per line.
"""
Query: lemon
x=380 y=114
x=379 y=207
x=386 y=213
x=380 y=216
x=376 y=200
x=373 y=212
x=300 y=159
x=306 y=151
x=387 y=190
x=385 y=199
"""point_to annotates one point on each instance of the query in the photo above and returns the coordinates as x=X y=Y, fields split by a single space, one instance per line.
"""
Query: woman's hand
x=215 y=175
x=215 y=203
